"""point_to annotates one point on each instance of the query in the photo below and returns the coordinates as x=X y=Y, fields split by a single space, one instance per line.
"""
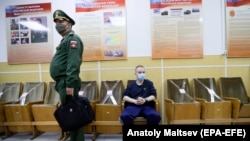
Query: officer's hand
x=70 y=91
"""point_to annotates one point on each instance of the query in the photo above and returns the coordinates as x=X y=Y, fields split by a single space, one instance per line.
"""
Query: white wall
x=138 y=25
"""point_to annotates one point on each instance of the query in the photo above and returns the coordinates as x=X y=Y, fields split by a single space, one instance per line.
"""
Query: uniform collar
x=69 y=33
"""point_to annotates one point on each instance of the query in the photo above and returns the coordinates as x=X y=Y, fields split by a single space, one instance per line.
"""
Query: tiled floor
x=51 y=136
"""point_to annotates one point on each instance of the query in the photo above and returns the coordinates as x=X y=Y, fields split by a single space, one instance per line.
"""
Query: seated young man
x=139 y=97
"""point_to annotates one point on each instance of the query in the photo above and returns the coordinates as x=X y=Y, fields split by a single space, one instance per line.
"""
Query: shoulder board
x=71 y=33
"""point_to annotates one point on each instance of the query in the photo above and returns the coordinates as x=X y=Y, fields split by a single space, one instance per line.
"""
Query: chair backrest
x=34 y=91
x=111 y=92
x=206 y=88
x=89 y=89
x=179 y=90
x=233 y=87
x=51 y=96
x=10 y=92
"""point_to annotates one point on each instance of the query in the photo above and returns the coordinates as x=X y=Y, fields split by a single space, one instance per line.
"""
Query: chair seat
x=233 y=89
x=213 y=107
x=9 y=93
x=33 y=93
x=244 y=110
x=140 y=118
x=44 y=111
x=140 y=121
x=180 y=106
x=108 y=112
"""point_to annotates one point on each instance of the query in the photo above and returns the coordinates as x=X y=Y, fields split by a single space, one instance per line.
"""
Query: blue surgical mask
x=141 y=76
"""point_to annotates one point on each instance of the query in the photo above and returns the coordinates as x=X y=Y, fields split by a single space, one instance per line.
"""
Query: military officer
x=65 y=65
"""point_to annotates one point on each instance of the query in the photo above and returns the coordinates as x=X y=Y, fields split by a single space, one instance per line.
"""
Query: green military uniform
x=65 y=69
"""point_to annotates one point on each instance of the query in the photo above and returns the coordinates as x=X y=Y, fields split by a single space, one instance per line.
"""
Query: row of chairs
x=30 y=107
x=22 y=107
x=207 y=102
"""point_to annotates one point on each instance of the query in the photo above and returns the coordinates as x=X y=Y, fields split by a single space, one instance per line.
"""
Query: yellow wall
x=158 y=70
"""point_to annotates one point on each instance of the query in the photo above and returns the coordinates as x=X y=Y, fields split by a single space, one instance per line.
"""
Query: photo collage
x=28 y=30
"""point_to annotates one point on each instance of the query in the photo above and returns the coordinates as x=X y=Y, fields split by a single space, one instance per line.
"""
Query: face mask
x=60 y=28
x=141 y=76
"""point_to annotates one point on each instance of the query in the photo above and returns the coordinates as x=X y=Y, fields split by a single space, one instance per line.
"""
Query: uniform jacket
x=67 y=60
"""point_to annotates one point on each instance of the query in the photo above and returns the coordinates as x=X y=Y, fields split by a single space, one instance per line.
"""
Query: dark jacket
x=146 y=89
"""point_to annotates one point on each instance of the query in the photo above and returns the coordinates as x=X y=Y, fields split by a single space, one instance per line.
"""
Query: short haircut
x=139 y=66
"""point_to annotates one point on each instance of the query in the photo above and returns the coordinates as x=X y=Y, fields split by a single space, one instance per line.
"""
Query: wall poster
x=238 y=28
x=176 y=28
x=29 y=37
x=102 y=27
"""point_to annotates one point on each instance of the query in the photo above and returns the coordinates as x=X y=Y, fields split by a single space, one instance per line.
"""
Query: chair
x=233 y=89
x=140 y=120
x=19 y=115
x=43 y=114
x=181 y=107
x=214 y=110
x=109 y=108
x=9 y=93
x=89 y=89
x=111 y=92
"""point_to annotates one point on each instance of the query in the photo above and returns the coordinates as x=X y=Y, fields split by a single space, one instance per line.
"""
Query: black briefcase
x=76 y=113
